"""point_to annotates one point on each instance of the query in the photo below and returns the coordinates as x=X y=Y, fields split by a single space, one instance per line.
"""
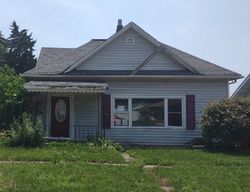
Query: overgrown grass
x=61 y=151
x=185 y=169
x=75 y=177
x=198 y=170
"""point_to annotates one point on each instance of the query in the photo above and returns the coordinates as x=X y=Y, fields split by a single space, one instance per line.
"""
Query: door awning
x=65 y=87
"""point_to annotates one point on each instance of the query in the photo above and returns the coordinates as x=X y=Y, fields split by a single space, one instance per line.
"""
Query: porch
x=69 y=110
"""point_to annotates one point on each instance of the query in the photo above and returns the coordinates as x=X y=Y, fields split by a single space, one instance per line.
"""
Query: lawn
x=198 y=170
x=60 y=151
x=72 y=177
x=69 y=169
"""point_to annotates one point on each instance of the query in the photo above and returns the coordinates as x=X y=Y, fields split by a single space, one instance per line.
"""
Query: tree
x=13 y=97
x=3 y=49
x=20 y=54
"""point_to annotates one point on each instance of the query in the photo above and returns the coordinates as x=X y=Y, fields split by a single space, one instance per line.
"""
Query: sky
x=214 y=30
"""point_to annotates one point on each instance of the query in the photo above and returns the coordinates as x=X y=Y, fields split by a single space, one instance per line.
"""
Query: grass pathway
x=164 y=184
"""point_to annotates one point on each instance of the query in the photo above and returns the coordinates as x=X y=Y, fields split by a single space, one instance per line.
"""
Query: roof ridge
x=57 y=48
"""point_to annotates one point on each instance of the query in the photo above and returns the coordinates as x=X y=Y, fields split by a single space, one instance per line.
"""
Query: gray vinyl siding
x=86 y=109
x=204 y=92
x=152 y=136
x=162 y=62
x=86 y=115
x=119 y=56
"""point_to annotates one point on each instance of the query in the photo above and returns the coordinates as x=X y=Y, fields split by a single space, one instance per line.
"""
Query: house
x=130 y=88
x=244 y=89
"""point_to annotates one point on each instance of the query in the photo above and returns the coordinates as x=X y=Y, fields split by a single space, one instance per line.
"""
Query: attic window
x=130 y=41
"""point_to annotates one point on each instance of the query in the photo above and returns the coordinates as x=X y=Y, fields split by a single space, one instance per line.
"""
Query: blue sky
x=215 y=30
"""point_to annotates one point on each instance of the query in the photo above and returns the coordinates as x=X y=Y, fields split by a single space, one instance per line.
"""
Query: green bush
x=99 y=142
x=25 y=133
x=4 y=137
x=14 y=99
x=227 y=123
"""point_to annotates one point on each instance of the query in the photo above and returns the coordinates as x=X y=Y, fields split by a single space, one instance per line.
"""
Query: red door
x=60 y=116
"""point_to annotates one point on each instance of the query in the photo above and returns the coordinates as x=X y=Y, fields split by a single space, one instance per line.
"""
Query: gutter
x=132 y=76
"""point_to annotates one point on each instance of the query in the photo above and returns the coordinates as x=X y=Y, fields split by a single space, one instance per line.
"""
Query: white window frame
x=130 y=38
x=164 y=115
x=113 y=112
x=183 y=110
x=183 y=99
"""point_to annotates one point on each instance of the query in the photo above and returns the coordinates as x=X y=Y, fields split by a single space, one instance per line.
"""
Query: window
x=130 y=41
x=148 y=112
x=174 y=112
x=121 y=115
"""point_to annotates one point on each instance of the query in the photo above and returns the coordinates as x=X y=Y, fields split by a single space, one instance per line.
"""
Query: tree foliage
x=20 y=54
x=227 y=123
x=13 y=97
x=3 y=49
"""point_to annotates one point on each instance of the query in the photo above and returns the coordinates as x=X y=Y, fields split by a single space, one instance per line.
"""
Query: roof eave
x=228 y=77
x=241 y=86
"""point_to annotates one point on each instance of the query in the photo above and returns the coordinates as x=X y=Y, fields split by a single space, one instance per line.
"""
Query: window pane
x=174 y=112
x=148 y=112
x=174 y=119
x=121 y=105
x=174 y=105
x=121 y=117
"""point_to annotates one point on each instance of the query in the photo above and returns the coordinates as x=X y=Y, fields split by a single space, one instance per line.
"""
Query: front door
x=60 y=116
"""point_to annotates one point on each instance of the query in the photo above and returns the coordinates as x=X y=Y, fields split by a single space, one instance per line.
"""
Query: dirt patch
x=127 y=157
x=164 y=182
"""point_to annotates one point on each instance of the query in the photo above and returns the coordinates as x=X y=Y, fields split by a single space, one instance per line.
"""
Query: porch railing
x=80 y=132
x=83 y=132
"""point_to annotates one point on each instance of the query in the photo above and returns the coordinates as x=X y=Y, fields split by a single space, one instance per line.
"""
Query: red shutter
x=106 y=111
x=190 y=111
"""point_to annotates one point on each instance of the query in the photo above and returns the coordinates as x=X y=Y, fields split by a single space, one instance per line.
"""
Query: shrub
x=227 y=123
x=99 y=142
x=25 y=133
x=14 y=98
x=4 y=137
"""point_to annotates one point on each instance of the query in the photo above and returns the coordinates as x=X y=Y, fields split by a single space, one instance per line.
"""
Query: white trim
x=165 y=98
x=113 y=112
x=132 y=39
x=241 y=86
x=133 y=76
x=72 y=117
x=48 y=112
x=183 y=108
x=130 y=112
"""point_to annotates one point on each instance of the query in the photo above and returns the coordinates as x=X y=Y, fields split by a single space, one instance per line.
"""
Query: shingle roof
x=55 y=61
x=196 y=64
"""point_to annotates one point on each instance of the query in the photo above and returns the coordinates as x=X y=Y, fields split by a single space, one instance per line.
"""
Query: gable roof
x=55 y=61
x=244 y=88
